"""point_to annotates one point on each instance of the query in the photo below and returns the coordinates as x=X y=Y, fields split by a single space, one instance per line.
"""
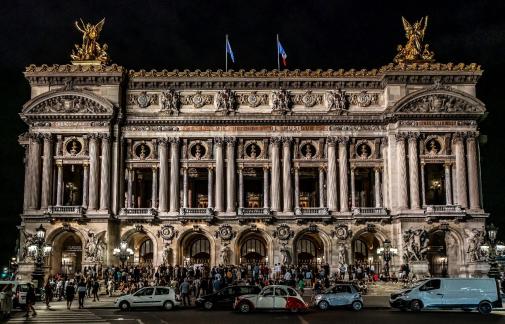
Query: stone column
x=185 y=187
x=344 y=171
x=454 y=185
x=377 y=188
x=163 y=190
x=473 y=172
x=413 y=171
x=286 y=174
x=34 y=166
x=26 y=189
x=59 y=183
x=154 y=189
x=129 y=197
x=219 y=174
x=94 y=181
x=297 y=187
x=85 y=185
x=423 y=186
x=275 y=188
x=47 y=168
x=385 y=172
x=210 y=187
x=231 y=196
x=403 y=199
x=331 y=187
x=353 y=188
x=105 y=176
x=448 y=186
x=321 y=187
x=459 y=151
x=266 y=203
x=241 y=187
x=174 y=174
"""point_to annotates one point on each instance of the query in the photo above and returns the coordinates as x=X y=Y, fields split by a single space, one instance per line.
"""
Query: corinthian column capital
x=343 y=140
x=413 y=136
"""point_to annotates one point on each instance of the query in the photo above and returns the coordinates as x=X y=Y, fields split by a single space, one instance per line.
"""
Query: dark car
x=225 y=297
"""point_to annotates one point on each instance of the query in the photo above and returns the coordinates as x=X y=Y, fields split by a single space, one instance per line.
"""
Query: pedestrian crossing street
x=62 y=316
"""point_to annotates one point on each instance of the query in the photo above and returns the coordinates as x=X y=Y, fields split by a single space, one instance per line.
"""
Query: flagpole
x=226 y=53
x=278 y=64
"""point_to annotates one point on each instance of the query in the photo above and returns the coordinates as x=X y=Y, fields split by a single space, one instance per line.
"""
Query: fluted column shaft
x=473 y=173
x=413 y=172
x=174 y=174
x=331 y=187
x=321 y=187
x=286 y=173
x=219 y=175
x=459 y=151
x=275 y=188
x=34 y=166
x=154 y=188
x=344 y=171
x=163 y=190
x=297 y=187
x=105 y=174
x=59 y=184
x=47 y=167
x=185 y=187
x=210 y=188
x=353 y=188
x=402 y=173
x=266 y=194
x=448 y=184
x=85 y=185
x=241 y=188
x=423 y=186
x=377 y=188
x=94 y=181
x=231 y=196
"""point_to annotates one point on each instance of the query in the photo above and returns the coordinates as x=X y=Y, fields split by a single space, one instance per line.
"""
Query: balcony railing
x=187 y=214
x=444 y=209
x=254 y=211
x=369 y=213
x=66 y=211
x=137 y=213
x=318 y=212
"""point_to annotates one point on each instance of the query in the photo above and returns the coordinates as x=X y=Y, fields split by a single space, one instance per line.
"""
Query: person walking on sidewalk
x=30 y=301
x=81 y=292
x=184 y=289
x=70 y=294
x=96 y=288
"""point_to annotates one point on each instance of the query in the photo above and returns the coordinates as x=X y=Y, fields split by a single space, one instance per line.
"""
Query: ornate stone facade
x=254 y=166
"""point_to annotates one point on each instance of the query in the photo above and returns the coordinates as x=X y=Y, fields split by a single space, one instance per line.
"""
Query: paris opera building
x=238 y=167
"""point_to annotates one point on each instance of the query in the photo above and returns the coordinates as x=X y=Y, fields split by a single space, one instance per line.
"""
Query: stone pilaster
x=331 y=187
x=34 y=172
x=174 y=174
x=94 y=181
x=448 y=184
x=154 y=189
x=321 y=187
x=59 y=183
x=413 y=171
x=385 y=172
x=297 y=187
x=266 y=192
x=218 y=142
x=129 y=195
x=377 y=188
x=105 y=174
x=85 y=185
x=240 y=188
x=459 y=151
x=231 y=196
x=403 y=199
x=163 y=186
x=210 y=186
x=185 y=187
x=353 y=187
x=344 y=171
x=423 y=186
x=275 y=188
x=286 y=174
x=47 y=167
x=473 y=172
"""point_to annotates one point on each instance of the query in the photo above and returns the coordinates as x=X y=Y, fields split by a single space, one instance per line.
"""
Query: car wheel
x=168 y=305
x=208 y=305
x=124 y=306
x=356 y=305
x=416 y=305
x=485 y=307
x=323 y=305
x=244 y=308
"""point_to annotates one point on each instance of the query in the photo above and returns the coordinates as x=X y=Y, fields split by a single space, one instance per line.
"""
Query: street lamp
x=387 y=252
x=494 y=270
x=123 y=252
x=38 y=250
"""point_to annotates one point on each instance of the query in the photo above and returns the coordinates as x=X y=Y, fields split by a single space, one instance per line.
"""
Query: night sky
x=189 y=34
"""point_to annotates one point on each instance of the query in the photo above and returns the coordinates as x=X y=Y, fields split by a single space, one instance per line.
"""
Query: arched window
x=146 y=251
x=253 y=246
x=306 y=246
x=360 y=250
x=201 y=245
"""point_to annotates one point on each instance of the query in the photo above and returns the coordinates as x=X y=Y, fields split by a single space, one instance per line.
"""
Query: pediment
x=68 y=103
x=439 y=100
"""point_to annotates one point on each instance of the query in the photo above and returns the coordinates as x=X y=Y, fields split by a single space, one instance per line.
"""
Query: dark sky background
x=189 y=34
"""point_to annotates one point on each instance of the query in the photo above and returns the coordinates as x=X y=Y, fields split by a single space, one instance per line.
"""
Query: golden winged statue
x=414 y=51
x=90 y=50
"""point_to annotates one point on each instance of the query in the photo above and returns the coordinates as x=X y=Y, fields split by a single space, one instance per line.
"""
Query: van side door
x=431 y=293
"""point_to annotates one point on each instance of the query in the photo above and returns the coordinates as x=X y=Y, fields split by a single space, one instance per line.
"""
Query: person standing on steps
x=70 y=294
x=81 y=291
x=96 y=288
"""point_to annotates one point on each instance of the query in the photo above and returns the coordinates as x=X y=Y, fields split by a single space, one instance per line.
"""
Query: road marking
x=302 y=320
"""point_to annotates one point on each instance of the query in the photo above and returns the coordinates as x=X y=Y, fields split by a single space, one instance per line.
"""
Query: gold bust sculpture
x=90 y=51
x=414 y=51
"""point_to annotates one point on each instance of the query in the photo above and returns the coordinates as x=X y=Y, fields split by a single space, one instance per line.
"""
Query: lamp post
x=387 y=252
x=38 y=250
x=494 y=270
x=123 y=252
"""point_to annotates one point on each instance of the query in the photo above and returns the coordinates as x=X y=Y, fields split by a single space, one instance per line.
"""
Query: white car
x=275 y=297
x=158 y=296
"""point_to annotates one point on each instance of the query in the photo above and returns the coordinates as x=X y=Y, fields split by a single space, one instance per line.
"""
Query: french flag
x=282 y=53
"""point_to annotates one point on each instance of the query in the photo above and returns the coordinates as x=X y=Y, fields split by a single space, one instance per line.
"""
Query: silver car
x=339 y=295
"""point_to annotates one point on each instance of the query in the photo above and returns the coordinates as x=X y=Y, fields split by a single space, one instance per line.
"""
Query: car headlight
x=318 y=296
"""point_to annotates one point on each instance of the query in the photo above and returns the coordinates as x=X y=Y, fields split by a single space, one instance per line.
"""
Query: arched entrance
x=253 y=251
x=66 y=256
x=196 y=250
x=364 y=250
x=437 y=253
x=143 y=249
x=309 y=250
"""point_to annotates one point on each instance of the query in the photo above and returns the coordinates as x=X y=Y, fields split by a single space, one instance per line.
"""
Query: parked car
x=450 y=293
x=274 y=297
x=347 y=295
x=20 y=289
x=225 y=297
x=158 y=296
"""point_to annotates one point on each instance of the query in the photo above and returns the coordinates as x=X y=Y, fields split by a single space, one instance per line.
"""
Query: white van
x=448 y=293
x=19 y=288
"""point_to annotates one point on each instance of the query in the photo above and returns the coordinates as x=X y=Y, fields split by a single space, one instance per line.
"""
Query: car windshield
x=419 y=283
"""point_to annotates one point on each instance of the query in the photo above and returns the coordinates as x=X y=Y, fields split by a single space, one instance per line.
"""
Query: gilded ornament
x=90 y=52
x=414 y=51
